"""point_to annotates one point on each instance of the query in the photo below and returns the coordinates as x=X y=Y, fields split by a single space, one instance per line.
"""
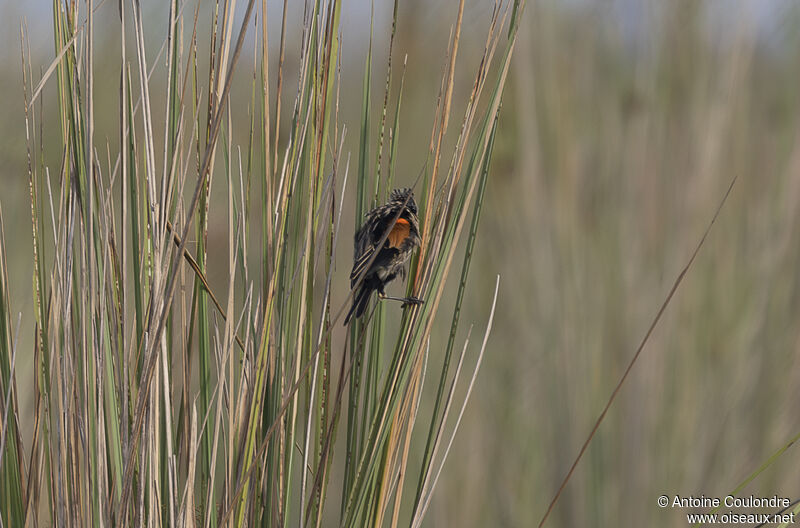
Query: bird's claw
x=412 y=301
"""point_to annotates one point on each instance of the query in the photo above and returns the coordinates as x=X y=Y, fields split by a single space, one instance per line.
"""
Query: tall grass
x=160 y=401
x=627 y=128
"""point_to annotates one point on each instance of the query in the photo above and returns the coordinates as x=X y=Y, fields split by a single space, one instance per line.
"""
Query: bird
x=399 y=217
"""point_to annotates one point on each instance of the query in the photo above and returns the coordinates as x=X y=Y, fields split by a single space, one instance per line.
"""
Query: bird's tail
x=360 y=302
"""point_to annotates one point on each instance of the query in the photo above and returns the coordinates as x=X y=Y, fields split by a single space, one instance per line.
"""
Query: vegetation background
x=622 y=126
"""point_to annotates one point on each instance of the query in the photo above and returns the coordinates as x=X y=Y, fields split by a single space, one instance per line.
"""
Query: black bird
x=399 y=218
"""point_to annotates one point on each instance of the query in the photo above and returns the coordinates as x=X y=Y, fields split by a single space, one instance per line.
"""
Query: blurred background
x=623 y=125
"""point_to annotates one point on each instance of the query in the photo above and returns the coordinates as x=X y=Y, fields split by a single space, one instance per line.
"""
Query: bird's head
x=399 y=196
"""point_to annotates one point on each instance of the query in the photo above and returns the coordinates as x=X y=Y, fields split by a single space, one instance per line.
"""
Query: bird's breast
x=399 y=233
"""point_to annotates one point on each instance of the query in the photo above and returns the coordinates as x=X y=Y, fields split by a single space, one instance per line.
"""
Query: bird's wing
x=365 y=247
x=360 y=265
x=367 y=239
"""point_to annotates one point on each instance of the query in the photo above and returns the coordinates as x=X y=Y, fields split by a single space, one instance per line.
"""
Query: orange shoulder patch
x=399 y=233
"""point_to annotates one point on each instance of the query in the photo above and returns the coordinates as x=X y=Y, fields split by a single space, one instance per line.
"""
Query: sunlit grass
x=236 y=394
x=160 y=401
